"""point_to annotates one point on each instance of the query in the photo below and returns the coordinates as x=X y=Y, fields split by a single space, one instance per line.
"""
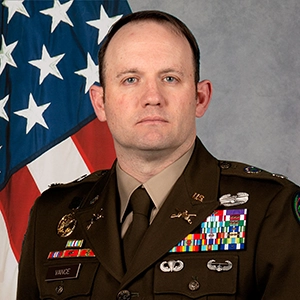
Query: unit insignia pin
x=66 y=225
x=238 y=199
x=185 y=215
x=252 y=170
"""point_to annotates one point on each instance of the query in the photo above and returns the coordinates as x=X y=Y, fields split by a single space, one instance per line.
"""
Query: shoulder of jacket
x=84 y=179
x=230 y=168
x=247 y=172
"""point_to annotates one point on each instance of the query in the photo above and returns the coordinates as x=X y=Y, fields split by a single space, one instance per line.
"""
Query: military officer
x=208 y=230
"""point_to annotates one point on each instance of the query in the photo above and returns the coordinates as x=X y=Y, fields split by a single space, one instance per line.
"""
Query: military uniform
x=182 y=255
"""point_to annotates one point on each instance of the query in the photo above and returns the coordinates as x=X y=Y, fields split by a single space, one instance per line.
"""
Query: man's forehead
x=136 y=25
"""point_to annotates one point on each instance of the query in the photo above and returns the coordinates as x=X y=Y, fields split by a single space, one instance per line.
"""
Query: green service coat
x=267 y=268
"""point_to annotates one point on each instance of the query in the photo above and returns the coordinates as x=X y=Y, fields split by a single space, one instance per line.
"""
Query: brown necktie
x=141 y=206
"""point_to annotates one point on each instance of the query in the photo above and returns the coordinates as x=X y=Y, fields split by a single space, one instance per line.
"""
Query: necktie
x=141 y=206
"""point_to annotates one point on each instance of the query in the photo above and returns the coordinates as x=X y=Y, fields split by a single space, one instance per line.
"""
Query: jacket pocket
x=68 y=279
x=196 y=276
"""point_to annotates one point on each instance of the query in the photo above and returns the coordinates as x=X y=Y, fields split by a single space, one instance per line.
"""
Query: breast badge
x=219 y=266
x=232 y=200
x=66 y=225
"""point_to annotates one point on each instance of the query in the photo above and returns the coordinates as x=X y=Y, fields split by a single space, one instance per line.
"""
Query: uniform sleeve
x=27 y=283
x=278 y=258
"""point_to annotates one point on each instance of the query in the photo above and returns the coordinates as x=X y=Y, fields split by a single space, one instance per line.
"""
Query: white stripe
x=62 y=163
x=8 y=264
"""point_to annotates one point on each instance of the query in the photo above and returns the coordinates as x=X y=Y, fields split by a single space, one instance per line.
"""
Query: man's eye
x=130 y=80
x=170 y=79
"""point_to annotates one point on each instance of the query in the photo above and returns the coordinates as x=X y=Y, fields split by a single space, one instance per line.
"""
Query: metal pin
x=198 y=197
x=95 y=218
x=185 y=215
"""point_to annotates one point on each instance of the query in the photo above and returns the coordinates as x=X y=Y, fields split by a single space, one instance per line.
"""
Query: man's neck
x=142 y=165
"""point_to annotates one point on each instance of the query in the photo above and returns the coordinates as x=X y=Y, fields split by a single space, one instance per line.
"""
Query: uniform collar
x=158 y=186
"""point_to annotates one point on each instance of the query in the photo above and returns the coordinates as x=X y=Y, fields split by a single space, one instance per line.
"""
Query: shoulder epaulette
x=87 y=178
x=248 y=171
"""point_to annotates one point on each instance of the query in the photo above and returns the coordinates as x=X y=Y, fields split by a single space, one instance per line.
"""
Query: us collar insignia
x=238 y=199
x=198 y=197
x=222 y=230
x=296 y=206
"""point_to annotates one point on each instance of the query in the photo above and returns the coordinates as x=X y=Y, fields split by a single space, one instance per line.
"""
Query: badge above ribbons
x=222 y=230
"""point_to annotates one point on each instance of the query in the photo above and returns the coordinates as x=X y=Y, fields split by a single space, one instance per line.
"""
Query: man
x=218 y=230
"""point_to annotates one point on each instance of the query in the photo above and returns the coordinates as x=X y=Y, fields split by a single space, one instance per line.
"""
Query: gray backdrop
x=250 y=51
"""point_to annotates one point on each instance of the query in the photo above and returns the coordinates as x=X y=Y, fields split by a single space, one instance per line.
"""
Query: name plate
x=63 y=272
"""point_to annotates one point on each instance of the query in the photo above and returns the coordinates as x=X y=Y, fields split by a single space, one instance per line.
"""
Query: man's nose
x=153 y=94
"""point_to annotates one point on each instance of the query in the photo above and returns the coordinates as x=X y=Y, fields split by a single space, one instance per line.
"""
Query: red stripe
x=95 y=144
x=16 y=200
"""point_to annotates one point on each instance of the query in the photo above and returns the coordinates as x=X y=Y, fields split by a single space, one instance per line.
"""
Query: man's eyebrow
x=171 y=70
x=163 y=71
x=125 y=72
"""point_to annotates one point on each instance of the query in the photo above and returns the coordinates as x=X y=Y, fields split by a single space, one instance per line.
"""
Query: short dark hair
x=159 y=17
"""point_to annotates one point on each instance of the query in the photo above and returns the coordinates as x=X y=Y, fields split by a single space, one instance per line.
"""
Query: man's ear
x=97 y=99
x=204 y=93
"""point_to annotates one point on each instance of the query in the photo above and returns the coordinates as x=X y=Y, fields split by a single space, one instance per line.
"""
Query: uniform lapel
x=200 y=177
x=104 y=233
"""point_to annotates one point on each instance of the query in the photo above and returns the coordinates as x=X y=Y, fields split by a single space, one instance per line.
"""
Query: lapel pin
x=185 y=215
x=198 y=197
x=94 y=218
x=238 y=199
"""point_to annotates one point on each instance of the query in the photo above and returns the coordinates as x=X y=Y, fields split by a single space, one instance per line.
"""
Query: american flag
x=48 y=130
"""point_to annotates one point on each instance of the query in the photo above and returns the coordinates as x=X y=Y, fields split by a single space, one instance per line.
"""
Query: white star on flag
x=33 y=114
x=58 y=13
x=3 y=113
x=104 y=23
x=90 y=73
x=5 y=54
x=13 y=7
x=47 y=65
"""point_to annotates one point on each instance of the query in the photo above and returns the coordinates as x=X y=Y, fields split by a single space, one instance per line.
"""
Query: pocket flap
x=68 y=279
x=196 y=276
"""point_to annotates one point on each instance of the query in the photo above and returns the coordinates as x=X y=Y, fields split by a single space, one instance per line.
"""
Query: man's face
x=150 y=99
